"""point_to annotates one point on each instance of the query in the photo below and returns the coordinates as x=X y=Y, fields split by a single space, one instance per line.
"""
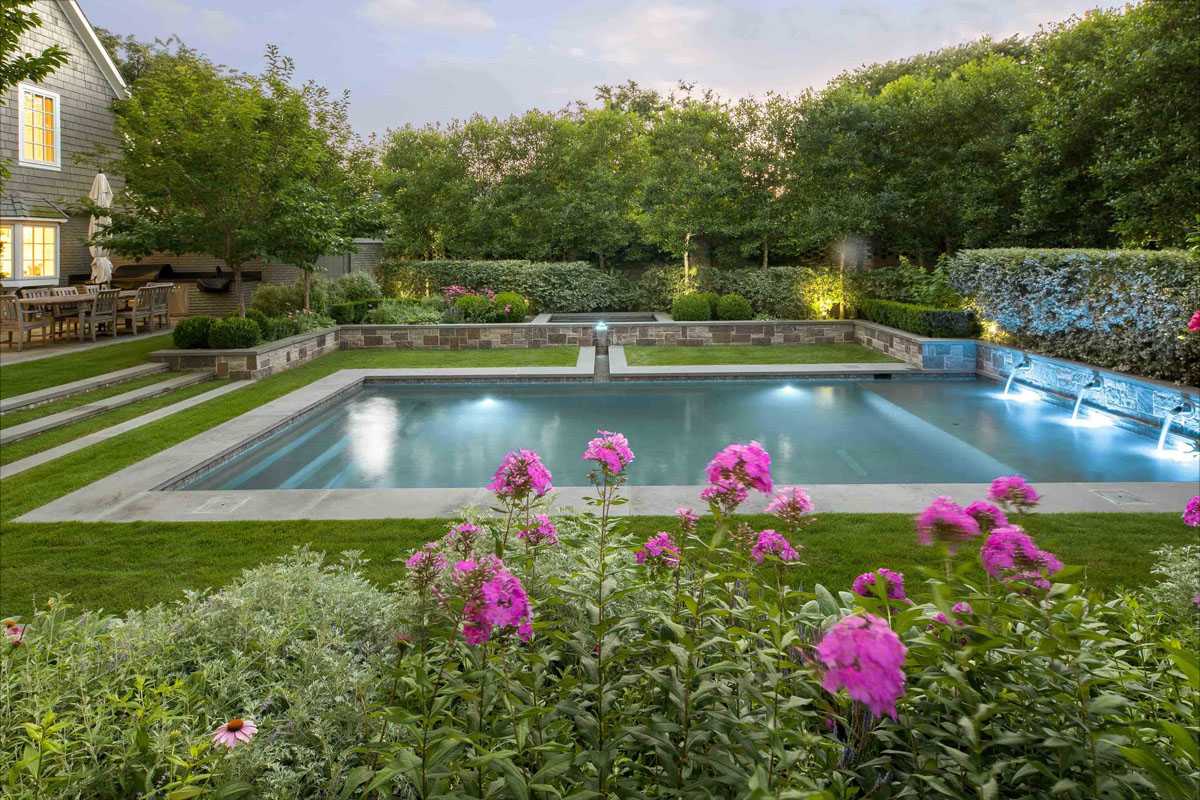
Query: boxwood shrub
x=1122 y=309
x=475 y=308
x=234 y=334
x=712 y=298
x=691 y=308
x=734 y=306
x=516 y=305
x=192 y=333
x=259 y=319
x=352 y=312
x=922 y=320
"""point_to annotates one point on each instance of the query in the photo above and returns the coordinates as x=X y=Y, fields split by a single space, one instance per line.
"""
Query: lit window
x=39 y=127
x=39 y=251
x=6 y=251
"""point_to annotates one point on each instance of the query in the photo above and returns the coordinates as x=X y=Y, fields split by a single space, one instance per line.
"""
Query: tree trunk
x=307 y=276
x=766 y=252
x=237 y=287
x=602 y=262
x=687 y=269
x=949 y=248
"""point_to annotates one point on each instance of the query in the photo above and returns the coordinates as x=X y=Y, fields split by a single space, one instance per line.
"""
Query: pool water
x=454 y=435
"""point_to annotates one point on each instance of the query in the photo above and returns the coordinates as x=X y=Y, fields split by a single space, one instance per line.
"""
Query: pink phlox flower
x=945 y=521
x=234 y=731
x=1014 y=491
x=1191 y=514
x=959 y=608
x=659 y=550
x=14 y=632
x=496 y=601
x=540 y=532
x=986 y=515
x=462 y=537
x=1010 y=554
x=725 y=497
x=864 y=585
x=426 y=564
x=771 y=543
x=746 y=465
x=687 y=519
x=1194 y=323
x=792 y=505
x=866 y=657
x=610 y=451
x=521 y=472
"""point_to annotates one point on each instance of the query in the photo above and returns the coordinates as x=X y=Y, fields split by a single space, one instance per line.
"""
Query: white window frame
x=56 y=165
x=18 y=280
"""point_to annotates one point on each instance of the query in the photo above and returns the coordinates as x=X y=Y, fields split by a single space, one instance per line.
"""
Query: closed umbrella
x=101 y=194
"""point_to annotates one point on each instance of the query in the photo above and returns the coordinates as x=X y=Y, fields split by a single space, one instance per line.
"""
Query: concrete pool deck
x=142 y=491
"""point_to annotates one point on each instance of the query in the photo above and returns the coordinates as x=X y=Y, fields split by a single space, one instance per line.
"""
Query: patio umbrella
x=101 y=194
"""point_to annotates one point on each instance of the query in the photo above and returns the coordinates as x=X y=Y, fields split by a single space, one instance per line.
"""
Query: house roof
x=16 y=206
x=91 y=41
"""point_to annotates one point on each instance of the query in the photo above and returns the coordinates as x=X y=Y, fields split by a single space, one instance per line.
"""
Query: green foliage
x=277 y=300
x=234 y=334
x=192 y=333
x=734 y=306
x=1123 y=309
x=403 y=312
x=922 y=320
x=908 y=283
x=475 y=308
x=260 y=319
x=352 y=313
x=691 y=308
x=516 y=305
x=1178 y=586
x=295 y=645
x=293 y=324
x=712 y=298
x=356 y=286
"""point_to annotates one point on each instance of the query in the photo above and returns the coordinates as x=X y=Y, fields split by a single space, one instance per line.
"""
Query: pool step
x=43 y=396
x=34 y=427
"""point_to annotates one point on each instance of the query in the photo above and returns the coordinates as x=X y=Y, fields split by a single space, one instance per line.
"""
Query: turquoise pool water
x=447 y=435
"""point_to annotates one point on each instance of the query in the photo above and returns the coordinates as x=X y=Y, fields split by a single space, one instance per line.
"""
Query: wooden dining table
x=64 y=301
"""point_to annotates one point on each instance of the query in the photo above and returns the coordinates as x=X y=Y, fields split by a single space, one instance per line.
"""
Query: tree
x=214 y=162
x=15 y=19
x=131 y=56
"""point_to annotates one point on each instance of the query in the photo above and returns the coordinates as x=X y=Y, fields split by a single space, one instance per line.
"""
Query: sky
x=424 y=61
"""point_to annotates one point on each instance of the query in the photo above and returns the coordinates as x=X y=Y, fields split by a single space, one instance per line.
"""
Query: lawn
x=119 y=566
x=30 y=376
x=14 y=418
x=749 y=354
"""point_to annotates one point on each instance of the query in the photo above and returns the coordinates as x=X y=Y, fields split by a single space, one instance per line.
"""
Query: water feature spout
x=1027 y=364
x=1183 y=408
x=1096 y=383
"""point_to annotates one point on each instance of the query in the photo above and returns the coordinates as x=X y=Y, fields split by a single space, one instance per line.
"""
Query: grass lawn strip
x=117 y=566
x=75 y=401
x=31 y=376
x=749 y=354
x=39 y=485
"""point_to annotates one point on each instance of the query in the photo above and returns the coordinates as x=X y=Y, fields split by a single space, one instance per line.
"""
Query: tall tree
x=16 y=18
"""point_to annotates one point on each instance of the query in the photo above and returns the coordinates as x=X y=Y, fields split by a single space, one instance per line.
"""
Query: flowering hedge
x=1123 y=309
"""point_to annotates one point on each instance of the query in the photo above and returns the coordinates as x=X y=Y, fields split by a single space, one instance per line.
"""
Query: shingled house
x=44 y=126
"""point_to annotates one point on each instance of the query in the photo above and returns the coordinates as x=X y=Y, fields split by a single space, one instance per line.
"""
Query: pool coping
x=140 y=492
x=619 y=369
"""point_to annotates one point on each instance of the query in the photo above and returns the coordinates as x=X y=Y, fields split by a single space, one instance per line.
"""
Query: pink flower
x=987 y=515
x=687 y=520
x=866 y=657
x=1196 y=599
x=462 y=538
x=959 y=608
x=234 y=731
x=425 y=565
x=1194 y=323
x=945 y=521
x=541 y=532
x=659 y=551
x=1014 y=491
x=727 y=498
x=496 y=602
x=14 y=632
x=520 y=473
x=746 y=465
x=1191 y=514
x=864 y=585
x=1009 y=554
x=769 y=542
x=610 y=451
x=791 y=505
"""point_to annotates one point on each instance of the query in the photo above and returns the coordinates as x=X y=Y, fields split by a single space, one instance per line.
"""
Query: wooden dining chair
x=103 y=311
x=64 y=315
x=38 y=311
x=141 y=310
x=14 y=318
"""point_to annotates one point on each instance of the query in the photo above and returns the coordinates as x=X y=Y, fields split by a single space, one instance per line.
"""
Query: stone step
x=34 y=427
x=78 y=387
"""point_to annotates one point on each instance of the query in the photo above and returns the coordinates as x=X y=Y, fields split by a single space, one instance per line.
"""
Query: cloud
x=454 y=16
x=182 y=18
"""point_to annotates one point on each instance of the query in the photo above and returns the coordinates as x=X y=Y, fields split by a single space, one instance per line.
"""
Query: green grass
x=14 y=418
x=69 y=433
x=31 y=376
x=748 y=354
x=450 y=359
x=120 y=566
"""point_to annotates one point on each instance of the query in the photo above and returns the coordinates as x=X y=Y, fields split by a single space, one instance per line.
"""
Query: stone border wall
x=466 y=337
x=255 y=362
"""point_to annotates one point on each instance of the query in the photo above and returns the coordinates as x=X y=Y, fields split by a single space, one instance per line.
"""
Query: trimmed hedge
x=352 y=312
x=733 y=307
x=921 y=320
x=563 y=287
x=691 y=308
x=259 y=318
x=234 y=333
x=516 y=305
x=192 y=333
x=1122 y=309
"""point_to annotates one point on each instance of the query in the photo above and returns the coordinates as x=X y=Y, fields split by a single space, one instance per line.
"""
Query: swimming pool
x=929 y=431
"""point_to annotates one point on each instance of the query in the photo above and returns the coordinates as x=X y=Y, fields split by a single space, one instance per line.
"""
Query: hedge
x=1122 y=309
x=352 y=312
x=921 y=320
x=234 y=334
x=734 y=307
x=691 y=308
x=192 y=333
x=563 y=287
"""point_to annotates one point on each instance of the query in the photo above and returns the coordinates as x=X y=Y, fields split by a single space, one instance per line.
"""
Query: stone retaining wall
x=1142 y=399
x=652 y=334
x=465 y=337
x=255 y=362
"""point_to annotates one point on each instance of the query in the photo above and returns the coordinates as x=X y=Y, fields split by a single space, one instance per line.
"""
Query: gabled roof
x=29 y=206
x=91 y=41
